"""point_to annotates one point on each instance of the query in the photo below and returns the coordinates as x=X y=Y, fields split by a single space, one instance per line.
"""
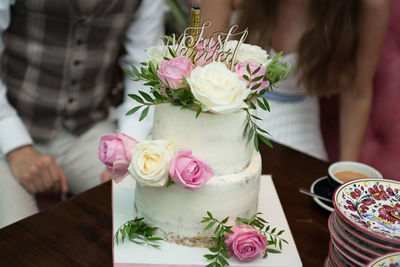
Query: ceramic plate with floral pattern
x=372 y=206
x=388 y=260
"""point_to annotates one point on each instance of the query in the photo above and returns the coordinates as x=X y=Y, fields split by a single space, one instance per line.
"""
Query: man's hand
x=35 y=171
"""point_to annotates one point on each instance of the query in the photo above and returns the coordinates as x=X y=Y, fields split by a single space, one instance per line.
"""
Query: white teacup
x=350 y=170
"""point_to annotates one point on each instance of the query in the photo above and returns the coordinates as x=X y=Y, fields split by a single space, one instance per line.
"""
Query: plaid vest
x=59 y=60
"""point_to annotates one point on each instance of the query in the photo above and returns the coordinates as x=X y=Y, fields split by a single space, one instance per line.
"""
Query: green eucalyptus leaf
x=158 y=96
x=222 y=260
x=271 y=250
x=144 y=113
x=146 y=97
x=257 y=79
x=171 y=51
x=205 y=219
x=213 y=249
x=210 y=256
x=256 y=86
x=155 y=238
x=255 y=117
x=129 y=73
x=245 y=128
x=130 y=112
x=256 y=143
x=251 y=132
x=211 y=224
x=265 y=141
x=225 y=254
x=266 y=103
x=116 y=237
x=137 y=98
x=198 y=111
x=229 y=231
x=256 y=70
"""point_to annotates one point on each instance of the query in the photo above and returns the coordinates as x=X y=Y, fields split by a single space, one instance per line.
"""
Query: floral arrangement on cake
x=219 y=77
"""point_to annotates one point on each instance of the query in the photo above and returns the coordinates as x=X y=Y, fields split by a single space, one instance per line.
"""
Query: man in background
x=57 y=63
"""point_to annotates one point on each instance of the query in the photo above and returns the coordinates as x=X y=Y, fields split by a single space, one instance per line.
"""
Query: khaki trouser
x=77 y=156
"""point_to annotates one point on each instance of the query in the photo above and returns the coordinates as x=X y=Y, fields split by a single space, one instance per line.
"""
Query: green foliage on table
x=137 y=231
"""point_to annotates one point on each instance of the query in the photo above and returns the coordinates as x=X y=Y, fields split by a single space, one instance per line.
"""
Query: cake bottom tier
x=178 y=211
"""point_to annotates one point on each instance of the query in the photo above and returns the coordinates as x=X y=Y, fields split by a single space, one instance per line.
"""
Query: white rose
x=217 y=88
x=157 y=53
x=247 y=52
x=150 y=162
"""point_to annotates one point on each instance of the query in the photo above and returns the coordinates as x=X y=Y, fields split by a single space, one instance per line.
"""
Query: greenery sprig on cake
x=219 y=77
x=137 y=231
x=246 y=241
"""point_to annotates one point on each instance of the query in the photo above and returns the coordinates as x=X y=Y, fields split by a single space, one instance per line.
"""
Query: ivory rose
x=247 y=52
x=150 y=162
x=115 y=153
x=157 y=53
x=172 y=71
x=218 y=89
x=189 y=171
x=246 y=243
x=241 y=69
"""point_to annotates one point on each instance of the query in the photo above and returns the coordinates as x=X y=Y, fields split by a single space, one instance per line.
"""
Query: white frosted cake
x=198 y=174
x=233 y=191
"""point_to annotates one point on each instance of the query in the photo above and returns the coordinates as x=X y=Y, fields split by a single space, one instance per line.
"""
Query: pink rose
x=115 y=153
x=189 y=171
x=246 y=243
x=241 y=69
x=205 y=52
x=172 y=71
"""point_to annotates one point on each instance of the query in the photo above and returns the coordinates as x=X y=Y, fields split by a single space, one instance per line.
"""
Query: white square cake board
x=130 y=254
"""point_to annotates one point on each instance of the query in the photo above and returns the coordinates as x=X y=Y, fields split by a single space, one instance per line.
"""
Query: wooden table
x=77 y=232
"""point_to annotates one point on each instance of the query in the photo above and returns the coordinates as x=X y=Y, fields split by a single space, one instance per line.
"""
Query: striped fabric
x=59 y=59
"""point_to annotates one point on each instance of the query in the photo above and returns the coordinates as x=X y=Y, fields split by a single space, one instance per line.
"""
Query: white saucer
x=321 y=187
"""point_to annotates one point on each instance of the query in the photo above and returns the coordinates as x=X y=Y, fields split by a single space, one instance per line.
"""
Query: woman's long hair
x=327 y=49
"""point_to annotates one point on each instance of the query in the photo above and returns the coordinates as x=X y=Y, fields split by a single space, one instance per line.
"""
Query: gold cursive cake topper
x=193 y=45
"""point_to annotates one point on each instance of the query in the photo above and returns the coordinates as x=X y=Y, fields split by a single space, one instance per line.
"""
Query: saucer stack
x=365 y=224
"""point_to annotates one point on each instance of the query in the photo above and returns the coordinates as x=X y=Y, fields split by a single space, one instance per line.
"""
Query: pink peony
x=189 y=171
x=115 y=153
x=246 y=243
x=205 y=52
x=172 y=71
x=241 y=69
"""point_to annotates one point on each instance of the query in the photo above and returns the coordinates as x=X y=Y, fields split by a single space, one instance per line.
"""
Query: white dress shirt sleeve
x=146 y=29
x=13 y=133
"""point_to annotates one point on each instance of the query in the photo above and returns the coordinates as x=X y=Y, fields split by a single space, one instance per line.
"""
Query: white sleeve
x=146 y=29
x=13 y=133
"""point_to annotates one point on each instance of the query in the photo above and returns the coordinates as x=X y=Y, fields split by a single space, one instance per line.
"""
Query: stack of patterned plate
x=365 y=225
